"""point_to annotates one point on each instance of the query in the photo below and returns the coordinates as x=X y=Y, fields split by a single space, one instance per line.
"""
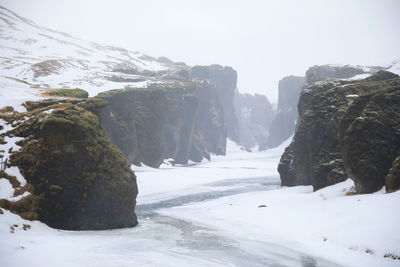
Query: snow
x=14 y=171
x=395 y=67
x=8 y=146
x=68 y=62
x=6 y=189
x=359 y=76
x=14 y=93
x=328 y=224
x=179 y=179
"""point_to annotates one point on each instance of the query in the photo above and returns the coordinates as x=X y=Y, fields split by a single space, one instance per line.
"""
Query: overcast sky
x=263 y=40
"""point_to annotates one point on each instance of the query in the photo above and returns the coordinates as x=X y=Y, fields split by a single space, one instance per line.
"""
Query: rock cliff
x=284 y=123
x=225 y=81
x=254 y=114
x=178 y=121
x=372 y=123
x=338 y=122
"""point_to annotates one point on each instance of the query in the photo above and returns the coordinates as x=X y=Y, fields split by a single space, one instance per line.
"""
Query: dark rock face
x=254 y=113
x=284 y=123
x=332 y=138
x=179 y=121
x=78 y=180
x=286 y=168
x=187 y=118
x=134 y=121
x=325 y=72
x=392 y=180
x=211 y=128
x=370 y=138
x=225 y=81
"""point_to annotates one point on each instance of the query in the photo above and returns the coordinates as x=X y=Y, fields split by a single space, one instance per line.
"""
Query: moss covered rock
x=370 y=138
x=74 y=93
x=339 y=123
x=286 y=168
x=392 y=180
x=80 y=179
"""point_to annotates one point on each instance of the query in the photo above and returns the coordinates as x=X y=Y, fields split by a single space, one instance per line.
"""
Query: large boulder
x=76 y=178
x=370 y=139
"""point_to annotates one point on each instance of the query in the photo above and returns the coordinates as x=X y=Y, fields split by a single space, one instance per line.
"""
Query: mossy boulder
x=370 y=138
x=81 y=180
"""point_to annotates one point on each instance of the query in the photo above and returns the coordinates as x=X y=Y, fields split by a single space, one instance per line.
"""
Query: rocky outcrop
x=211 y=129
x=254 y=114
x=372 y=123
x=225 y=81
x=76 y=179
x=392 y=180
x=284 y=123
x=178 y=121
x=286 y=168
x=324 y=72
x=331 y=139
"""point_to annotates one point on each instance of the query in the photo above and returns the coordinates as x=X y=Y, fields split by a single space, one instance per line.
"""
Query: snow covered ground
x=208 y=215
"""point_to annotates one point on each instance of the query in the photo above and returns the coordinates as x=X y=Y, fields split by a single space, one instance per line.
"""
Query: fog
x=263 y=40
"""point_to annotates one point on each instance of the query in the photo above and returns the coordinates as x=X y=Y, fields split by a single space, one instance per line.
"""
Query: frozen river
x=191 y=241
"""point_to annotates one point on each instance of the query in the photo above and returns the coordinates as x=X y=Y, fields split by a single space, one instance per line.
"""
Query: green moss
x=80 y=180
x=56 y=122
x=75 y=93
x=372 y=123
x=93 y=104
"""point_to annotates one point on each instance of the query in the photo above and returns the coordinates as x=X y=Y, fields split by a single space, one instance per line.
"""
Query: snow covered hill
x=49 y=59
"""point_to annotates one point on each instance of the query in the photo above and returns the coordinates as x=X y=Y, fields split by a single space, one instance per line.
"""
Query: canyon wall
x=339 y=120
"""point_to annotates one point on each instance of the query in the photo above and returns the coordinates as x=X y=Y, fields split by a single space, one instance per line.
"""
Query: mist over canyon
x=156 y=153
